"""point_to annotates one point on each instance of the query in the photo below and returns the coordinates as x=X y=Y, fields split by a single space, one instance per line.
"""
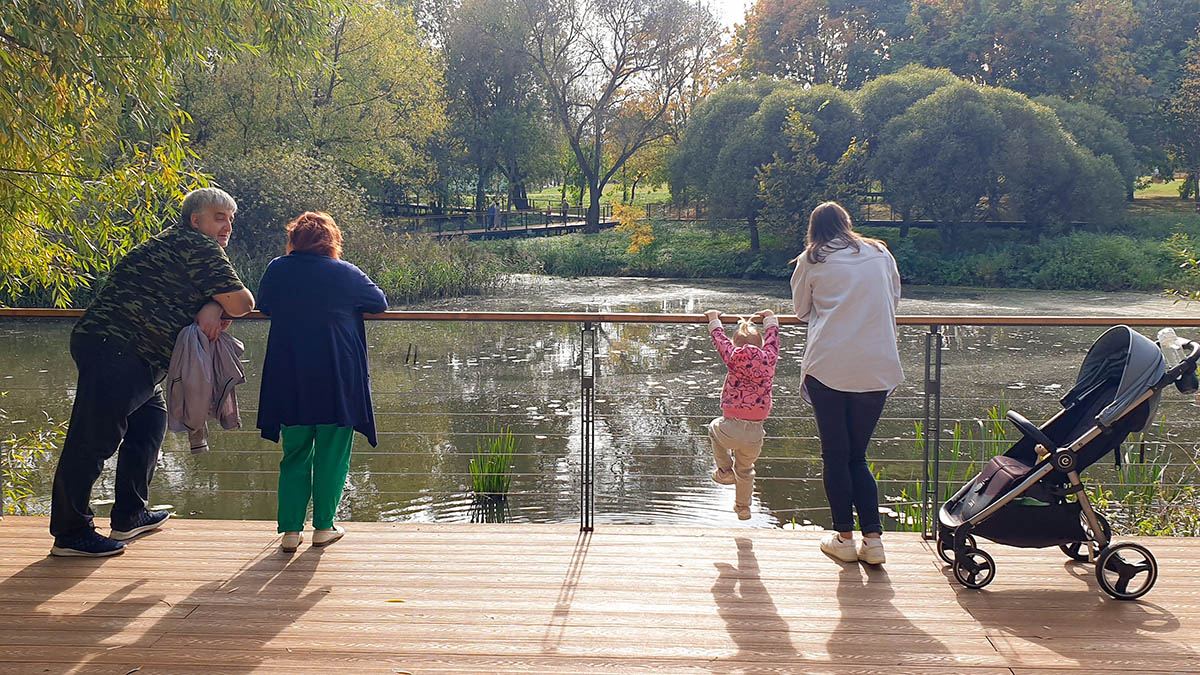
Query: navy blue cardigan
x=315 y=370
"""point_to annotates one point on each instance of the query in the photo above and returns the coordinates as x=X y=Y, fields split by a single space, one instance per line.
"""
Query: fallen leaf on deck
x=131 y=672
x=395 y=600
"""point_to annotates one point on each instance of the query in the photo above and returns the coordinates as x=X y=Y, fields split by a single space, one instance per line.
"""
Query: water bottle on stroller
x=1172 y=349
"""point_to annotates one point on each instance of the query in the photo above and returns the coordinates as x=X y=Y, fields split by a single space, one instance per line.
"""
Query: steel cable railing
x=638 y=440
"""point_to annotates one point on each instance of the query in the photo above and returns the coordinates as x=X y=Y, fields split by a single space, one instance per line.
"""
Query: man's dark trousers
x=118 y=408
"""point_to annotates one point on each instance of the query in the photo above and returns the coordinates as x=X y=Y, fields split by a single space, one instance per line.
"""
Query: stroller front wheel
x=1126 y=571
x=945 y=545
x=974 y=568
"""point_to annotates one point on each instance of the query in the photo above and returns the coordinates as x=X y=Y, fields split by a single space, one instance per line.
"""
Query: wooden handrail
x=636 y=317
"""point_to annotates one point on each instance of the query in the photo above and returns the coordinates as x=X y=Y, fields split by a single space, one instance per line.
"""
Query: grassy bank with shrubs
x=1133 y=256
x=273 y=188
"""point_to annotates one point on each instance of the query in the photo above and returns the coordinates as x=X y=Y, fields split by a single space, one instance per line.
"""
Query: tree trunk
x=904 y=227
x=518 y=196
x=593 y=212
x=633 y=190
x=752 y=223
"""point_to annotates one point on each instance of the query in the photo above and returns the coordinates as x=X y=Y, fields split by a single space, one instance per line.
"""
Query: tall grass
x=491 y=467
x=1151 y=495
x=967 y=454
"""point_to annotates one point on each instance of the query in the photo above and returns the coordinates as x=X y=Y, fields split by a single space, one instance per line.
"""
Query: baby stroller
x=1020 y=497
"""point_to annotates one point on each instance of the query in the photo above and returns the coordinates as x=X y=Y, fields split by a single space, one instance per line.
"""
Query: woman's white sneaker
x=870 y=551
x=291 y=541
x=834 y=546
x=327 y=537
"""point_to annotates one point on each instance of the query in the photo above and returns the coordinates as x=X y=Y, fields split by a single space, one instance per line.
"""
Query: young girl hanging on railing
x=737 y=436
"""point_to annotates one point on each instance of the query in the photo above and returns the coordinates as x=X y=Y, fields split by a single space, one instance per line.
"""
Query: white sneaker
x=327 y=537
x=291 y=541
x=834 y=546
x=870 y=550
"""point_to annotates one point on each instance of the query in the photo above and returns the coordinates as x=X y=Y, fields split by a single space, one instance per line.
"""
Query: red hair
x=315 y=232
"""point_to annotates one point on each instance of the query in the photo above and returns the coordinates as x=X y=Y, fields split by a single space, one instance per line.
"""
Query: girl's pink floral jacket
x=747 y=391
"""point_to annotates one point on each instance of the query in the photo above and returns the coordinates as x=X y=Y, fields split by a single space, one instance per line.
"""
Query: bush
x=273 y=188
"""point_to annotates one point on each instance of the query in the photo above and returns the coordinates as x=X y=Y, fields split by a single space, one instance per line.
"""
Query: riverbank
x=1133 y=256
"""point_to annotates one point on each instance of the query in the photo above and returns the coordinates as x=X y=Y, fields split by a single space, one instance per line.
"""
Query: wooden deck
x=219 y=597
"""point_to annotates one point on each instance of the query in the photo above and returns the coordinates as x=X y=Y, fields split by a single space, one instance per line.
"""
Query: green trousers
x=315 y=462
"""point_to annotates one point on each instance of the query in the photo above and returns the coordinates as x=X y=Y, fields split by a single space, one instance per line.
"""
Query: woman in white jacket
x=846 y=287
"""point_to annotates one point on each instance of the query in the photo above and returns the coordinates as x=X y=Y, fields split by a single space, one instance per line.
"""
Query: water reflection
x=438 y=385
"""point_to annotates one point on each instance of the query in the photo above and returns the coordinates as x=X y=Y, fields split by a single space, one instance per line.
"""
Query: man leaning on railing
x=122 y=346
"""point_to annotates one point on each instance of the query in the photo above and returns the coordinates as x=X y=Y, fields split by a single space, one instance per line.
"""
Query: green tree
x=794 y=183
x=92 y=153
x=724 y=149
x=1183 y=110
x=495 y=105
x=616 y=65
x=1093 y=128
x=820 y=41
x=936 y=160
x=368 y=106
x=887 y=97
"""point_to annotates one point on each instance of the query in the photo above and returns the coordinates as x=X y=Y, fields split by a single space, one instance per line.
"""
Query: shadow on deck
x=219 y=597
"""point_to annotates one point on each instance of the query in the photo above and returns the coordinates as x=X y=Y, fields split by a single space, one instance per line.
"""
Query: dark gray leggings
x=845 y=422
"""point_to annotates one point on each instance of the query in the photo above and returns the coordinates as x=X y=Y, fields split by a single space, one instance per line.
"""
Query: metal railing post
x=931 y=481
x=587 y=430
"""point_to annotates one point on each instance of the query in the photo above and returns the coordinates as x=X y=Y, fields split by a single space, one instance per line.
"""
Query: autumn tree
x=612 y=70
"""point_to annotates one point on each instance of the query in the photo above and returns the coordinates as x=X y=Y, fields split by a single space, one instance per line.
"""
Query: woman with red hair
x=316 y=391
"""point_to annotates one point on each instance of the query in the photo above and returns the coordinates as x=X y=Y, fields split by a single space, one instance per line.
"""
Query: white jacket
x=200 y=382
x=849 y=302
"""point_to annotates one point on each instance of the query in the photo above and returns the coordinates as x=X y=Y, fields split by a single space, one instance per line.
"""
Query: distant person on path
x=737 y=436
x=846 y=287
x=122 y=346
x=566 y=206
x=491 y=217
x=316 y=389
x=495 y=215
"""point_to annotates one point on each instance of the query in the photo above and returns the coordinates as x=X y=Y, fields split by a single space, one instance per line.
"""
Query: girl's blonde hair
x=747 y=334
x=830 y=229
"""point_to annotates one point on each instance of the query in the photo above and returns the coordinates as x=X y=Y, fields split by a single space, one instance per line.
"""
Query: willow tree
x=92 y=153
x=614 y=72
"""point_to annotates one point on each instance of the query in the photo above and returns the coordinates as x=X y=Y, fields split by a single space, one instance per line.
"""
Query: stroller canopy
x=1126 y=356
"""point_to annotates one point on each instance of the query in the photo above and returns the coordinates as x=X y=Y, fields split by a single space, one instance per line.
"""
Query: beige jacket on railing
x=200 y=384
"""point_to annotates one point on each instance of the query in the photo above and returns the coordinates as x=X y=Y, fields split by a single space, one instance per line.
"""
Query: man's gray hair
x=198 y=199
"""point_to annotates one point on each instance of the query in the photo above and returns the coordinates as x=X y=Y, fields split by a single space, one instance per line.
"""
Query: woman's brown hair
x=830 y=229
x=315 y=232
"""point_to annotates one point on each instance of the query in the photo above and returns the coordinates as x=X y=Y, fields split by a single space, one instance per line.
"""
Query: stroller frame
x=974 y=568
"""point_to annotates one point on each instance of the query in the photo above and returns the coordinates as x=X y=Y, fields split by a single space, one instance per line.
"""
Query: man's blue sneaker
x=90 y=544
x=144 y=522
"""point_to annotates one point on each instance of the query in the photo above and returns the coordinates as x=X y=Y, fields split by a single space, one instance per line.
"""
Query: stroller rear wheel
x=974 y=568
x=1074 y=550
x=945 y=545
x=1126 y=571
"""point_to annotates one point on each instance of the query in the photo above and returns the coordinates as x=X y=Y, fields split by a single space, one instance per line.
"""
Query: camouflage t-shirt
x=155 y=291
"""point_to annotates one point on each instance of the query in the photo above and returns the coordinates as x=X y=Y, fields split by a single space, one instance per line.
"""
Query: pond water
x=439 y=387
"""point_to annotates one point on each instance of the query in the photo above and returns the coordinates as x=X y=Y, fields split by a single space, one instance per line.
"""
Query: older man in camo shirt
x=122 y=346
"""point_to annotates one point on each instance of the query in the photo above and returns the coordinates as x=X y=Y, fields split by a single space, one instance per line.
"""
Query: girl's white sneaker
x=870 y=551
x=841 y=549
